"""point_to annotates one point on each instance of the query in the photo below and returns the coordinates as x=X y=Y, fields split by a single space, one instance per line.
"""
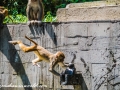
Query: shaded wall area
x=95 y=44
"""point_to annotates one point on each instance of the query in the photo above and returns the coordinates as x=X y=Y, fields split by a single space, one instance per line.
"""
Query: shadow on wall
x=46 y=27
x=84 y=86
x=12 y=55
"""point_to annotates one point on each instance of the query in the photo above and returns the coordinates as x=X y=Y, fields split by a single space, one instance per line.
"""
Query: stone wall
x=95 y=44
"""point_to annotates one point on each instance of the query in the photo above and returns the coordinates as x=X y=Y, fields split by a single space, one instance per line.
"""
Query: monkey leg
x=32 y=22
x=24 y=47
x=39 y=18
x=36 y=23
x=14 y=42
x=35 y=61
x=51 y=68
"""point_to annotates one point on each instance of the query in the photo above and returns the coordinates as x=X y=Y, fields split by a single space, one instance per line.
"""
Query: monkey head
x=60 y=56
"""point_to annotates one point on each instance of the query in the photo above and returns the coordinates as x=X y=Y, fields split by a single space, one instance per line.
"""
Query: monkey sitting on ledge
x=43 y=55
x=3 y=14
x=35 y=12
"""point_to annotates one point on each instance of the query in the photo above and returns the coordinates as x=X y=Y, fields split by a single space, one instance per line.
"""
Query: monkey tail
x=31 y=40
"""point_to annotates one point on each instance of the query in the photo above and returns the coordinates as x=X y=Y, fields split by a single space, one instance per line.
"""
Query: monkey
x=43 y=55
x=3 y=14
x=34 y=12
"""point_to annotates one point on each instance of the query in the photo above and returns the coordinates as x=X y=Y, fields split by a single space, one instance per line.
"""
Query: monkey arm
x=52 y=64
x=28 y=12
x=63 y=65
x=40 y=14
x=54 y=72
x=35 y=61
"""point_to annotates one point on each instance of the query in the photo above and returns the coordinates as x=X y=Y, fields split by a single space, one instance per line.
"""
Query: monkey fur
x=3 y=14
x=43 y=55
x=35 y=12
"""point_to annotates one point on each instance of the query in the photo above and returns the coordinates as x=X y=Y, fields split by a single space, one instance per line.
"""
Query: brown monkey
x=3 y=14
x=43 y=55
x=35 y=12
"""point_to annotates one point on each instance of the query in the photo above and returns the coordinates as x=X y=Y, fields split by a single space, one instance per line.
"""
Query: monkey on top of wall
x=43 y=55
x=3 y=14
x=35 y=12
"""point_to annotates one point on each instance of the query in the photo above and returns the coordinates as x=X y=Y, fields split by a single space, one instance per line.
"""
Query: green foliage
x=53 y=5
x=49 y=17
x=15 y=19
x=17 y=9
x=15 y=6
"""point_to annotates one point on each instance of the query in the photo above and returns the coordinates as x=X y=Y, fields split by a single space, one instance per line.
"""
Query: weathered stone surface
x=94 y=4
x=95 y=44
x=89 y=11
